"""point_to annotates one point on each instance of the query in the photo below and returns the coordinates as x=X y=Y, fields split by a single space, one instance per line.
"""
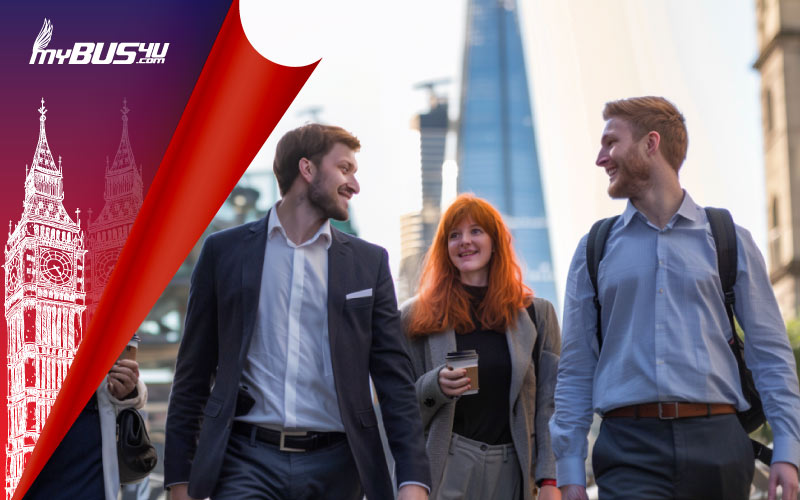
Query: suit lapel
x=252 y=262
x=521 y=337
x=340 y=257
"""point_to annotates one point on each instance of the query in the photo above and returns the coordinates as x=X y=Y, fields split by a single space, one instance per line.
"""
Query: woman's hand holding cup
x=453 y=381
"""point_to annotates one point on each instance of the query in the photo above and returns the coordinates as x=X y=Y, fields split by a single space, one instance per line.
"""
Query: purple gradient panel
x=84 y=123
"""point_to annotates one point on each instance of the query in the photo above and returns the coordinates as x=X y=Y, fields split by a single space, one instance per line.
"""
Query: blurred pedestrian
x=84 y=465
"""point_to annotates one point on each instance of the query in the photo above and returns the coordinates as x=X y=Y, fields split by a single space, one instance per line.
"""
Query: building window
x=774 y=234
x=768 y=115
x=773 y=223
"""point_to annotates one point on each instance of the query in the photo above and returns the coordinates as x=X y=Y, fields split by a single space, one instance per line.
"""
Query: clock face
x=105 y=264
x=13 y=274
x=55 y=267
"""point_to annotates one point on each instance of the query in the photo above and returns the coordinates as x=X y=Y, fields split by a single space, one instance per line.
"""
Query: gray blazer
x=530 y=402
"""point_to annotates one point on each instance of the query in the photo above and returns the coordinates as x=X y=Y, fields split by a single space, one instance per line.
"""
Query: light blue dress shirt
x=288 y=365
x=665 y=333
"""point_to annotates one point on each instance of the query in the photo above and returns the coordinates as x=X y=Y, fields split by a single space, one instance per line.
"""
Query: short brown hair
x=311 y=141
x=651 y=113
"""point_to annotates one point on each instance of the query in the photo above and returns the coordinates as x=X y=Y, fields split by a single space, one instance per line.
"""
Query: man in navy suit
x=287 y=319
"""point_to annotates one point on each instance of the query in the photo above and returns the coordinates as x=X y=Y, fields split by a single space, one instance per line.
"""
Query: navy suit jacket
x=365 y=338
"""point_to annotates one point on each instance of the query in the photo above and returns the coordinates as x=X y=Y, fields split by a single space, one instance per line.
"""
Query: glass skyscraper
x=497 y=154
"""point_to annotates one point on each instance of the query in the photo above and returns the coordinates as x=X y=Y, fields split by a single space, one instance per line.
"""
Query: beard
x=633 y=176
x=324 y=201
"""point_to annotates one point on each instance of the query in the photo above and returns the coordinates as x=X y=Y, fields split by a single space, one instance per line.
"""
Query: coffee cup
x=469 y=361
x=129 y=352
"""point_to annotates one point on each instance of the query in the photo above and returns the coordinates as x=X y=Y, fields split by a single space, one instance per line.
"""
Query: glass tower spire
x=497 y=154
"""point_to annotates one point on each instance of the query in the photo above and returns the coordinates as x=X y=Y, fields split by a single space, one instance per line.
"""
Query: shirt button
x=661 y=290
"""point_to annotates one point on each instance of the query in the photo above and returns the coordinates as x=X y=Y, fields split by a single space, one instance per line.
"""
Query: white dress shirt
x=288 y=366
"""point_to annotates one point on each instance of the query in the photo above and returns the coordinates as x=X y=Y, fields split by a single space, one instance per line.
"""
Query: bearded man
x=666 y=381
x=287 y=319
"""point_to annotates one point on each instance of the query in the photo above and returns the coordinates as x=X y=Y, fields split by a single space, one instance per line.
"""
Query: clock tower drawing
x=107 y=234
x=44 y=303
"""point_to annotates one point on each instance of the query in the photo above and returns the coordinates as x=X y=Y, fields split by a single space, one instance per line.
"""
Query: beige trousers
x=478 y=471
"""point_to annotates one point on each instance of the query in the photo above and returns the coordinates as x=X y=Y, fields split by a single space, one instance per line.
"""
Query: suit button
x=429 y=402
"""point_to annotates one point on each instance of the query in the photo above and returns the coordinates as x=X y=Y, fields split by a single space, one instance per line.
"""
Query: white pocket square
x=367 y=292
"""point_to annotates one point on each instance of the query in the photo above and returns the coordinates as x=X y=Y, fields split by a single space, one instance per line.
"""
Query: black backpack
x=724 y=233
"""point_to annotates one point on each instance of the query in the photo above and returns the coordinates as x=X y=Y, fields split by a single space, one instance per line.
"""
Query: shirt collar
x=628 y=214
x=274 y=227
x=688 y=210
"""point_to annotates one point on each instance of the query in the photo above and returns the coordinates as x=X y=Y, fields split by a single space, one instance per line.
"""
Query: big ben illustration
x=44 y=303
x=107 y=234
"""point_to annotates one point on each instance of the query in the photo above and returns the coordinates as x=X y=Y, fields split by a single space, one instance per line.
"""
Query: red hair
x=443 y=302
x=654 y=113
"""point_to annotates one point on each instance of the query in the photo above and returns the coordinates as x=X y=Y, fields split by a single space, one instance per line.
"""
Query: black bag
x=724 y=233
x=135 y=455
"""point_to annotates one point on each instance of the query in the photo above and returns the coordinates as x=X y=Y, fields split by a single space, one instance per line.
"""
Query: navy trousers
x=259 y=471
x=75 y=470
x=704 y=458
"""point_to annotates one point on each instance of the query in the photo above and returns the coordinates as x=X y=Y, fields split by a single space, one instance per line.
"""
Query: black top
x=484 y=416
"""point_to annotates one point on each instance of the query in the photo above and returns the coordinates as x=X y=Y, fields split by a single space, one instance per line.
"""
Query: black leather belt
x=294 y=441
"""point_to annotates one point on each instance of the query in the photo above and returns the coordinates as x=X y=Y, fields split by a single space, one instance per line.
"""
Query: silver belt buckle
x=661 y=412
x=283 y=447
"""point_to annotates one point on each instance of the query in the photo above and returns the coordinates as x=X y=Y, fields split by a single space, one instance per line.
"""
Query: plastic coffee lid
x=471 y=353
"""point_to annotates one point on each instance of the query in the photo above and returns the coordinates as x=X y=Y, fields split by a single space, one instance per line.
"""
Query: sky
x=580 y=54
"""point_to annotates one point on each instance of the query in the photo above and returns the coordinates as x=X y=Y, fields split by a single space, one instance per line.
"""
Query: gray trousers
x=478 y=471
x=260 y=471
x=704 y=458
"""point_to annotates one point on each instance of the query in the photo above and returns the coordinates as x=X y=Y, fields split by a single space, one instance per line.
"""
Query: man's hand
x=573 y=492
x=122 y=378
x=454 y=382
x=179 y=492
x=412 y=492
x=549 y=492
x=785 y=475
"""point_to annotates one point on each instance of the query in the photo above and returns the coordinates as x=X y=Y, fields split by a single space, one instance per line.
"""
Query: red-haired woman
x=494 y=444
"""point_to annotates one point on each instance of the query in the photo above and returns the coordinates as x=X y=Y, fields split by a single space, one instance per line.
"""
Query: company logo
x=96 y=53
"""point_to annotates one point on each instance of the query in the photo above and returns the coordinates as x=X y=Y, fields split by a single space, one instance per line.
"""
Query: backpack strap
x=595 y=247
x=724 y=233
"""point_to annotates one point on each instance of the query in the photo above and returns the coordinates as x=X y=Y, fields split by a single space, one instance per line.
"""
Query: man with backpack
x=651 y=348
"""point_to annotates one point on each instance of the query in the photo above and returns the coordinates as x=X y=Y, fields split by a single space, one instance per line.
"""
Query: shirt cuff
x=786 y=449
x=418 y=484
x=170 y=485
x=571 y=470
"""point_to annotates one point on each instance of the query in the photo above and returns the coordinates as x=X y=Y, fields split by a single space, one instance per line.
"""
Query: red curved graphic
x=238 y=100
